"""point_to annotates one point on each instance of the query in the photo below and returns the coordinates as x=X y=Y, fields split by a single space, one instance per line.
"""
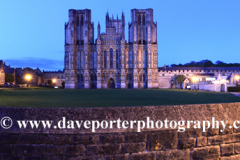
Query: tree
x=191 y=64
x=219 y=63
x=179 y=79
x=208 y=63
x=49 y=82
x=63 y=84
x=9 y=77
x=19 y=80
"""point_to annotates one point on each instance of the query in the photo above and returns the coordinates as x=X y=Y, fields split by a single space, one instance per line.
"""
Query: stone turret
x=99 y=29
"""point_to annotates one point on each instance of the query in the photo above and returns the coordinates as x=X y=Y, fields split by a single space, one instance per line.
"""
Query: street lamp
x=54 y=81
x=237 y=78
x=194 y=79
x=28 y=77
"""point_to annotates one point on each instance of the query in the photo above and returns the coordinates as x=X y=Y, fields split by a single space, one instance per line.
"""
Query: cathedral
x=110 y=61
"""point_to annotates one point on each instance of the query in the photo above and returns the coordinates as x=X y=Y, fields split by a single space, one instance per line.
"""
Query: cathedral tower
x=79 y=35
x=143 y=39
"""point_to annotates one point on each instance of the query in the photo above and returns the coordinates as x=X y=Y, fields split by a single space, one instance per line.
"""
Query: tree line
x=206 y=63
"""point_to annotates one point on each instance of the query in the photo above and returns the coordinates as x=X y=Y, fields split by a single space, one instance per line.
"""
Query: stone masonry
x=152 y=144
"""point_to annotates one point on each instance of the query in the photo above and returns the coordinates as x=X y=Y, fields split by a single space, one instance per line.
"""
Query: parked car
x=12 y=84
x=18 y=85
x=6 y=84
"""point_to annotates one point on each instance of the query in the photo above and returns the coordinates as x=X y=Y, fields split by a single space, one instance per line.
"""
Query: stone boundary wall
x=150 y=144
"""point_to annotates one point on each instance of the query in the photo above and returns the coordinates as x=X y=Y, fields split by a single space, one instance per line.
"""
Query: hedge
x=233 y=89
x=9 y=78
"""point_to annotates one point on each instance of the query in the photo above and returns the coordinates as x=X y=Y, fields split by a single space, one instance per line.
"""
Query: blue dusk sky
x=32 y=32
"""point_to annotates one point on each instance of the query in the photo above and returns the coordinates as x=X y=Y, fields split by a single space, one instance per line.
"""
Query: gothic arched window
x=80 y=78
x=139 y=19
x=95 y=60
x=140 y=77
x=145 y=59
x=82 y=60
x=81 y=19
x=117 y=59
x=91 y=60
x=143 y=20
x=79 y=60
x=111 y=58
x=105 y=59
x=78 y=21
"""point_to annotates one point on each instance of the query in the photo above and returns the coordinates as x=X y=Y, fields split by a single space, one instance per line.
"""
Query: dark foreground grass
x=45 y=97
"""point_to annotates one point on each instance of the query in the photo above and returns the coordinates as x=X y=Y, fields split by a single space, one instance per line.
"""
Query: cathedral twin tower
x=109 y=61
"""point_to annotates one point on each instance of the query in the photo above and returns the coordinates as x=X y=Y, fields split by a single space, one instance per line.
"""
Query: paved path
x=236 y=93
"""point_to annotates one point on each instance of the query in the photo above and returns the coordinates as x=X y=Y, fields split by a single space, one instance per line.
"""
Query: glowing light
x=216 y=82
x=54 y=80
x=28 y=77
x=237 y=77
x=223 y=80
x=194 y=79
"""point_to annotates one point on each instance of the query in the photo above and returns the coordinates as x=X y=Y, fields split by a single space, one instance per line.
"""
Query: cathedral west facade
x=110 y=61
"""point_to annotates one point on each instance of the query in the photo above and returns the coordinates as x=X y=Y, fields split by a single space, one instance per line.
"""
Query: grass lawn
x=45 y=97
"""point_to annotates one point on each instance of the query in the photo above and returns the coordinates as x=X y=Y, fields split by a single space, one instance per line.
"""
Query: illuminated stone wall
x=122 y=143
x=2 y=77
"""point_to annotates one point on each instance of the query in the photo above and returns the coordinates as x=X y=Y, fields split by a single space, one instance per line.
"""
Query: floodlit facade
x=110 y=61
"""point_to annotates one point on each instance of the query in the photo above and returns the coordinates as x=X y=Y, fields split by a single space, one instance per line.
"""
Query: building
x=5 y=72
x=57 y=77
x=207 y=78
x=110 y=61
x=2 y=74
x=36 y=76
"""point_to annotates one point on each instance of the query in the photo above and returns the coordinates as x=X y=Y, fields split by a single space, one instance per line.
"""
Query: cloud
x=32 y=62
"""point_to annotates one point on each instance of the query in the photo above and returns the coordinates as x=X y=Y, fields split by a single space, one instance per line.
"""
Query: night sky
x=32 y=32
